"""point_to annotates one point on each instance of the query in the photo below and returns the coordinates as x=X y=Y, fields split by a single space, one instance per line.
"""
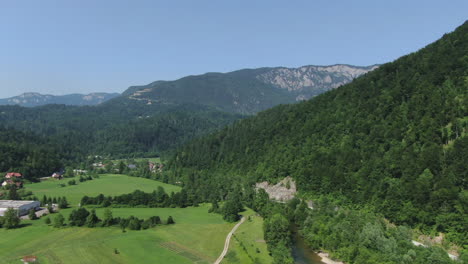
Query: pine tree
x=13 y=194
x=92 y=220
x=11 y=219
x=59 y=221
x=63 y=203
x=32 y=214
x=108 y=218
x=170 y=220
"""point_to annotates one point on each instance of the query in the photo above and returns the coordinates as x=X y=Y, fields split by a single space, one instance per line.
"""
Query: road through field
x=228 y=240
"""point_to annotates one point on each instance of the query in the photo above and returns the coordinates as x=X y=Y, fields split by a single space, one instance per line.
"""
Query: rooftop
x=13 y=203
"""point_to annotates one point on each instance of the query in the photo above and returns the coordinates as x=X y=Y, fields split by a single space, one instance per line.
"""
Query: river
x=302 y=254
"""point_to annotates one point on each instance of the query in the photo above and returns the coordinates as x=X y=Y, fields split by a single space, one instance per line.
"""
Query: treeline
x=83 y=217
x=61 y=202
x=360 y=236
x=231 y=208
x=350 y=235
x=394 y=140
x=157 y=198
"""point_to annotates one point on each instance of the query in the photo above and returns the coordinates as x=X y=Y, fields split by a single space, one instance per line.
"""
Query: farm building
x=21 y=206
x=12 y=175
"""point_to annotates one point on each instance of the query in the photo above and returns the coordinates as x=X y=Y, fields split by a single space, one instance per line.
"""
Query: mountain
x=37 y=99
x=248 y=91
x=149 y=120
x=394 y=141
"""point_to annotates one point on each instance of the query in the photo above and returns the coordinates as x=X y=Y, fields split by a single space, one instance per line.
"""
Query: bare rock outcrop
x=283 y=191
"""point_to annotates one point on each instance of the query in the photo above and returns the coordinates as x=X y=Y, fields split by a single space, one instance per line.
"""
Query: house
x=10 y=182
x=13 y=175
x=99 y=165
x=132 y=166
x=57 y=175
x=152 y=166
x=29 y=259
x=155 y=166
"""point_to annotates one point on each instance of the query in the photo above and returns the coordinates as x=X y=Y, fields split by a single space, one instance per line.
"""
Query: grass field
x=107 y=184
x=247 y=245
x=197 y=236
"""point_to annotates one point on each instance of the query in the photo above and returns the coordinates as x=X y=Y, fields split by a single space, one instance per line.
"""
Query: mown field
x=107 y=184
x=247 y=245
x=197 y=236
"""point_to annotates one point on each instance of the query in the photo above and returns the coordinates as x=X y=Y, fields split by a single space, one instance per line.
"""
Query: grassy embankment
x=247 y=245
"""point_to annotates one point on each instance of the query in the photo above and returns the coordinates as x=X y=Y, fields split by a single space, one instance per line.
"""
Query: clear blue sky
x=68 y=46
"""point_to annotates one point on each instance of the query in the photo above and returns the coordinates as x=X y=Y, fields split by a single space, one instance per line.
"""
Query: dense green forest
x=393 y=140
x=30 y=155
x=118 y=128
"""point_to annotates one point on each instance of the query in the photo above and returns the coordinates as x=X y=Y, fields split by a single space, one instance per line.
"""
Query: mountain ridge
x=32 y=99
x=248 y=91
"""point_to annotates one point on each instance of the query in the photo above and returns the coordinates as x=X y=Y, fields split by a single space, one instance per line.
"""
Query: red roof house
x=29 y=259
x=12 y=175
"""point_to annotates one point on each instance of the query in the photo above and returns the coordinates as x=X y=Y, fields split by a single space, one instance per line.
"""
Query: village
x=12 y=194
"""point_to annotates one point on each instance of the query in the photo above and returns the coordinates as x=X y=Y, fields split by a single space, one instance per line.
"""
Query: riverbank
x=327 y=260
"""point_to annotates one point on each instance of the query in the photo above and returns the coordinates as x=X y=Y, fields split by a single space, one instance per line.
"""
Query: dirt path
x=228 y=240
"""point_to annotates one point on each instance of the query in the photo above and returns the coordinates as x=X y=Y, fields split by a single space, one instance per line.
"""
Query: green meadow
x=107 y=184
x=247 y=244
x=197 y=236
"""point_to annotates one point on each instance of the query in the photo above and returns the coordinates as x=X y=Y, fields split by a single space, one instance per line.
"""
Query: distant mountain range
x=248 y=91
x=37 y=99
x=165 y=114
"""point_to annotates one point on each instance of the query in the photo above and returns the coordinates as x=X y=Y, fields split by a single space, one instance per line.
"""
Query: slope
x=248 y=91
x=394 y=139
x=27 y=154
x=121 y=129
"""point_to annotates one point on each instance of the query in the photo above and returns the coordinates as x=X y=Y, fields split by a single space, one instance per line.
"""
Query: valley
x=197 y=236
x=314 y=164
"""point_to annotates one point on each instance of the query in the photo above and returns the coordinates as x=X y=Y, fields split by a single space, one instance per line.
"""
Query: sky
x=67 y=46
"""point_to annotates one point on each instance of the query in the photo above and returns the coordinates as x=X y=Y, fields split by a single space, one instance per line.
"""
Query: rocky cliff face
x=247 y=91
x=308 y=81
x=283 y=191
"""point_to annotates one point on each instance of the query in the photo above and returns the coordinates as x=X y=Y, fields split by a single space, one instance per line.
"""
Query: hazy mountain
x=37 y=99
x=250 y=90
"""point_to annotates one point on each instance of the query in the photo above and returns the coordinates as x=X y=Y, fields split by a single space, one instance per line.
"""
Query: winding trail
x=228 y=240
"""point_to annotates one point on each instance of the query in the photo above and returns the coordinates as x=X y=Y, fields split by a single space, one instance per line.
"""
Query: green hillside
x=393 y=140
x=28 y=154
x=117 y=129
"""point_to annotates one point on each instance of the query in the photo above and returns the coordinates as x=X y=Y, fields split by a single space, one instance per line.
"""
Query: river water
x=302 y=254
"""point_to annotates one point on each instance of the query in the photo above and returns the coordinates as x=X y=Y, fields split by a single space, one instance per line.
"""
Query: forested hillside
x=394 y=140
x=32 y=156
x=156 y=118
x=119 y=129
